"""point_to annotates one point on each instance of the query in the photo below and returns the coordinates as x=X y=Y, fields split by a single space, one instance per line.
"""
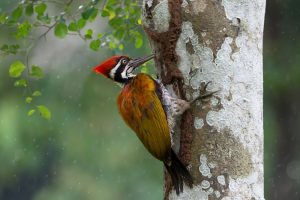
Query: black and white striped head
x=120 y=68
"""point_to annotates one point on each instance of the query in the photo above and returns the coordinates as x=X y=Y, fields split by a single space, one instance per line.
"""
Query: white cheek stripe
x=124 y=74
x=114 y=70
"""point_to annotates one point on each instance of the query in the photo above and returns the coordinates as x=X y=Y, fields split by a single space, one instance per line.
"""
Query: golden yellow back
x=142 y=110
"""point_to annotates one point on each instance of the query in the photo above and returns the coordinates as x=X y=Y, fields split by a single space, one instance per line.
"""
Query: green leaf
x=110 y=2
x=3 y=18
x=17 y=13
x=119 y=33
x=44 y=111
x=99 y=35
x=28 y=99
x=116 y=22
x=112 y=14
x=23 y=30
x=29 y=9
x=81 y=23
x=36 y=72
x=95 y=44
x=16 y=69
x=139 y=21
x=13 y=48
x=4 y=47
x=105 y=13
x=61 y=30
x=108 y=12
x=36 y=93
x=93 y=15
x=20 y=83
x=31 y=112
x=121 y=47
x=10 y=49
x=40 y=8
x=73 y=26
x=44 y=18
x=89 y=34
x=90 y=14
x=112 y=45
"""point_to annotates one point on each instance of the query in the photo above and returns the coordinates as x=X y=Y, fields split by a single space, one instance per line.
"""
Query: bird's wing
x=142 y=110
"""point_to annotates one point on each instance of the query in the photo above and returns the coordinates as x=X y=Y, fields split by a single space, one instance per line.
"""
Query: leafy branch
x=123 y=18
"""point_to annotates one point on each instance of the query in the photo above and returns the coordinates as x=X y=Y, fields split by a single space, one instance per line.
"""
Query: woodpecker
x=150 y=111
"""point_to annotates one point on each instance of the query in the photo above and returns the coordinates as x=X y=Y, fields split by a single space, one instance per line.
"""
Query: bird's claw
x=205 y=86
x=204 y=94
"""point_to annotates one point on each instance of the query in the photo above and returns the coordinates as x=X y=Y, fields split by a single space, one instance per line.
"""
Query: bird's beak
x=141 y=60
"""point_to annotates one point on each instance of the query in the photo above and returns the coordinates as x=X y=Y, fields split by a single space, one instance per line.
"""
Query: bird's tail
x=178 y=173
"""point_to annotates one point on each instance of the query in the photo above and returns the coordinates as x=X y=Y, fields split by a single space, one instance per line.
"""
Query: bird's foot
x=179 y=106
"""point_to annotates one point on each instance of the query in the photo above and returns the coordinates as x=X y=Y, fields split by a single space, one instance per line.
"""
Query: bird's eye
x=124 y=61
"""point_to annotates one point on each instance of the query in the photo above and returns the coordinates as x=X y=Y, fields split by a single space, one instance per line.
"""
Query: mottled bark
x=220 y=139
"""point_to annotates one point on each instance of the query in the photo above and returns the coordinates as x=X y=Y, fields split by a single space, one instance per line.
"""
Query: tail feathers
x=178 y=173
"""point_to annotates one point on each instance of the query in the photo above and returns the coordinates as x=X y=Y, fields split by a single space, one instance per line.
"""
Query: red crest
x=107 y=65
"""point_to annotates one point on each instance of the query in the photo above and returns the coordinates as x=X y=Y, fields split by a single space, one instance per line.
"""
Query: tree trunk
x=220 y=139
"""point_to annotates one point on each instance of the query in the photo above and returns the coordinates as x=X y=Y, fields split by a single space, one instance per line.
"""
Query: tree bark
x=220 y=139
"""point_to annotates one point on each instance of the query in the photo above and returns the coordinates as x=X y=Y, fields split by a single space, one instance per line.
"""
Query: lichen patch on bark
x=217 y=156
x=209 y=17
x=161 y=18
x=226 y=152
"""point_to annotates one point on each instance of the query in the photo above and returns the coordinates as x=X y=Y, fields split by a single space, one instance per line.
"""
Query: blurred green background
x=86 y=152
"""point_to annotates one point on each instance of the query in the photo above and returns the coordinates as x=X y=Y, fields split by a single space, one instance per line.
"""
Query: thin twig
x=28 y=51
x=28 y=71
x=46 y=32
